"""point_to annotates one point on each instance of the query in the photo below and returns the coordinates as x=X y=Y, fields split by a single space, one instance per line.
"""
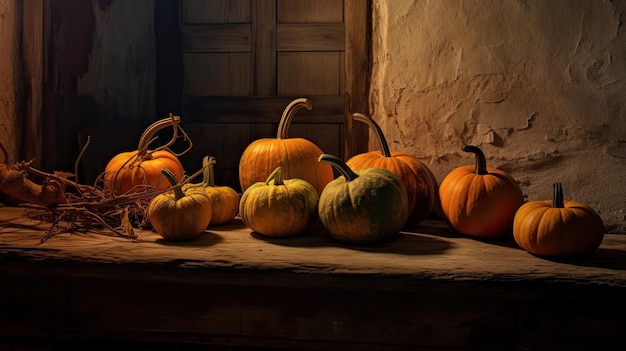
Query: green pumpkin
x=364 y=206
x=279 y=207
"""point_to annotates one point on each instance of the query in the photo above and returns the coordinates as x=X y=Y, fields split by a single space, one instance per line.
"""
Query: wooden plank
x=433 y=290
x=264 y=65
x=169 y=62
x=217 y=74
x=217 y=38
x=311 y=37
x=309 y=73
x=215 y=11
x=32 y=49
x=326 y=109
x=310 y=11
x=11 y=80
x=358 y=67
x=428 y=252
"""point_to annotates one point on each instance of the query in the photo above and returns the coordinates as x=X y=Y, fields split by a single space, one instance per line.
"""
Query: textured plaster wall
x=538 y=85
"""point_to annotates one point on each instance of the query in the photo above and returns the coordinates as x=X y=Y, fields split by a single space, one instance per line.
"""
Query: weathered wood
x=358 y=69
x=216 y=11
x=264 y=65
x=311 y=37
x=217 y=38
x=10 y=79
x=430 y=289
x=169 y=58
x=326 y=109
x=32 y=53
x=310 y=11
x=309 y=74
x=204 y=74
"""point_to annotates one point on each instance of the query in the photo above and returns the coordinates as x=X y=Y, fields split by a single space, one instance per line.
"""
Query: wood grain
x=428 y=290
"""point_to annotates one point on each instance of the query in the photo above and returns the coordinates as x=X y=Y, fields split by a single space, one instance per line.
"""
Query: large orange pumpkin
x=479 y=201
x=296 y=156
x=557 y=228
x=134 y=171
x=420 y=182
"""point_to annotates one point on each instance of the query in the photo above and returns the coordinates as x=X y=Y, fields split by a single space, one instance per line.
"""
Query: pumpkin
x=224 y=199
x=279 y=207
x=477 y=200
x=296 y=156
x=134 y=171
x=363 y=206
x=557 y=227
x=420 y=182
x=177 y=215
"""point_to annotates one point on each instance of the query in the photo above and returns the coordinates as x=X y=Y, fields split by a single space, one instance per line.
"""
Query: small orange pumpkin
x=134 y=171
x=420 y=182
x=557 y=228
x=224 y=199
x=477 y=200
x=296 y=156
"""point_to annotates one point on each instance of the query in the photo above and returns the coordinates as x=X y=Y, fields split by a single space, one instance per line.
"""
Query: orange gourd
x=224 y=199
x=296 y=156
x=479 y=201
x=134 y=171
x=420 y=182
x=178 y=215
x=557 y=227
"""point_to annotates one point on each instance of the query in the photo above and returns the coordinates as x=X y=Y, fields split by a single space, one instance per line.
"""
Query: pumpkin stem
x=382 y=141
x=149 y=133
x=339 y=165
x=208 y=175
x=288 y=113
x=276 y=176
x=479 y=158
x=557 y=199
x=178 y=192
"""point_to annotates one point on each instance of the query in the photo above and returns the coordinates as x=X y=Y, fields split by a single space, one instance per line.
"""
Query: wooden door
x=243 y=61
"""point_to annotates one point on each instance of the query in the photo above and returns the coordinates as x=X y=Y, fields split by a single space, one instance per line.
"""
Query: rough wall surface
x=538 y=85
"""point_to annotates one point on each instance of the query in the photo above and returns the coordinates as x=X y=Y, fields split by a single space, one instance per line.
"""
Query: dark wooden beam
x=358 y=55
x=169 y=58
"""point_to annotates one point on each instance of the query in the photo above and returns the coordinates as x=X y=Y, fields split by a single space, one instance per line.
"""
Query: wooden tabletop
x=429 y=289
x=428 y=252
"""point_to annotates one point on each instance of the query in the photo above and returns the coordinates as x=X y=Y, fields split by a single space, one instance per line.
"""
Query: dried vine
x=79 y=207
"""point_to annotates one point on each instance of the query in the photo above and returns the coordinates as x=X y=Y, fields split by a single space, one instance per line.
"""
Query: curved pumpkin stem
x=557 y=199
x=178 y=192
x=208 y=175
x=479 y=157
x=276 y=176
x=288 y=113
x=382 y=141
x=148 y=134
x=339 y=165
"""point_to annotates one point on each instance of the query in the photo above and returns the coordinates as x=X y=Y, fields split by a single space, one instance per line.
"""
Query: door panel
x=244 y=61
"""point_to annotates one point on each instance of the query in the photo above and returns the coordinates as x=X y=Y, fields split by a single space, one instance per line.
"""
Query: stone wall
x=538 y=85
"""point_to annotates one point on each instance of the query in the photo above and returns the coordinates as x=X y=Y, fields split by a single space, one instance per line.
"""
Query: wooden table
x=233 y=289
